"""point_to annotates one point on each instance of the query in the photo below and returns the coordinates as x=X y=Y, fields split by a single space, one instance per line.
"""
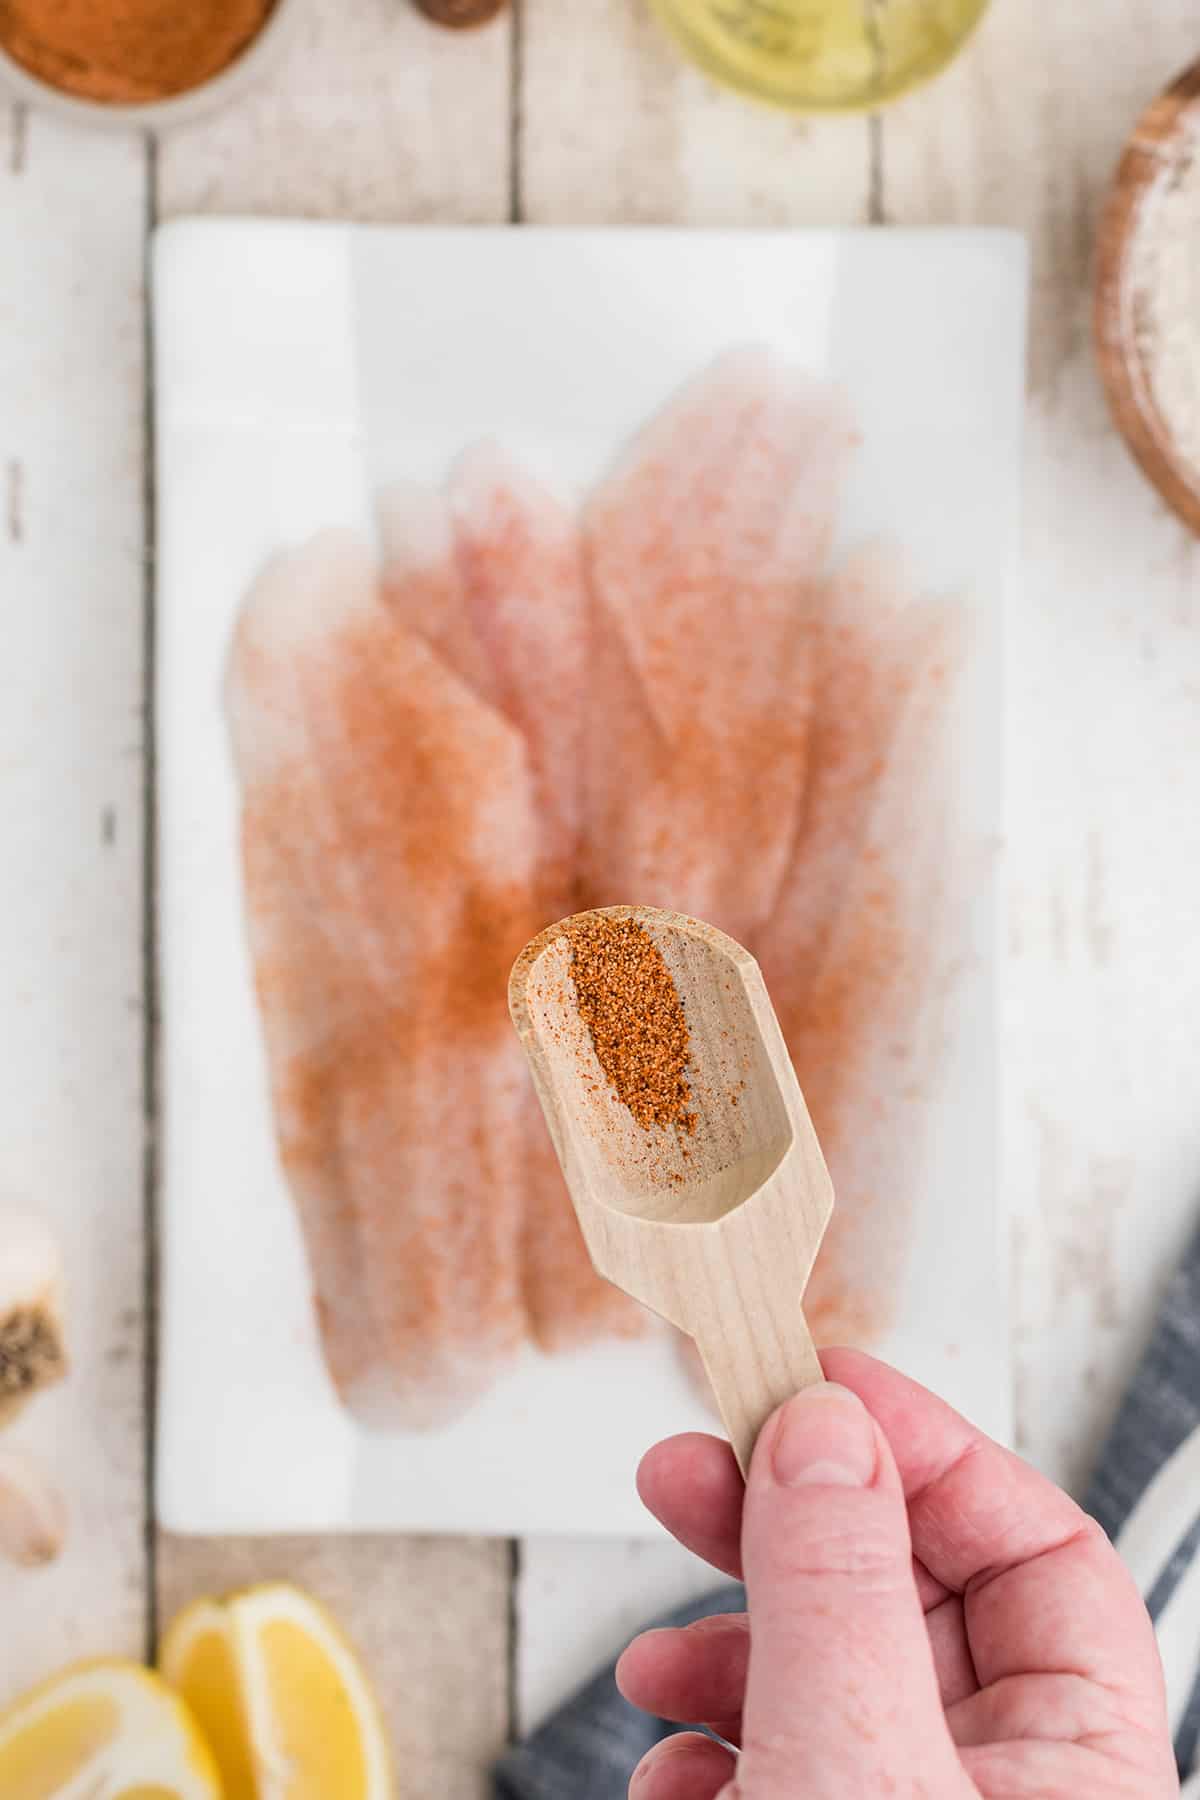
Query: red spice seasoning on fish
x=777 y=764
x=759 y=739
x=393 y=868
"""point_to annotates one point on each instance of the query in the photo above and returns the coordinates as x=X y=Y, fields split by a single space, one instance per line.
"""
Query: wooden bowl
x=1154 y=149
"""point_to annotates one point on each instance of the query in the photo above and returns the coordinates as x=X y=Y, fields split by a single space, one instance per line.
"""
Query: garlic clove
x=32 y=1341
x=33 y=1514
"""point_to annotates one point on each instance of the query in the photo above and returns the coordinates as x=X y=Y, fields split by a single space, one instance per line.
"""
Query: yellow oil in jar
x=820 y=55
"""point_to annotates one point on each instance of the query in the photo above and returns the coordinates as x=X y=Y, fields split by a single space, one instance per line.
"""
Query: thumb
x=842 y=1697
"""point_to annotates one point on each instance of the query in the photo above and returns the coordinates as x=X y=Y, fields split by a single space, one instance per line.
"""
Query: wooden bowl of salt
x=1147 y=297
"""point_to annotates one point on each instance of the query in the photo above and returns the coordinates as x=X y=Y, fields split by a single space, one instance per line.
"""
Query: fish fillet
x=389 y=850
x=503 y=557
x=403 y=837
x=851 y=953
x=774 y=765
x=519 y=715
x=703 y=550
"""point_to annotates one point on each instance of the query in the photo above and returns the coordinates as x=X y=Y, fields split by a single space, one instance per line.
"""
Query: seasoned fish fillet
x=851 y=952
x=518 y=714
x=703 y=549
x=774 y=764
x=393 y=868
x=501 y=556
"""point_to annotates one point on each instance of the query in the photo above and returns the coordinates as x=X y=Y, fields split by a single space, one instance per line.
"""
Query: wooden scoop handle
x=757 y=1353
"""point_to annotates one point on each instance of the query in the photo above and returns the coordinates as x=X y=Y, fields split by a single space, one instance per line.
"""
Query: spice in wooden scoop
x=628 y=1000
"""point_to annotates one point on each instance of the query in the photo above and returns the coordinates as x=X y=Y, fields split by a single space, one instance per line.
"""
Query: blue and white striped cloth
x=1146 y=1494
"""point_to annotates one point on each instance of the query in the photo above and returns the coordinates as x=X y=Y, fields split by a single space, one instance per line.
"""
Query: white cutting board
x=299 y=367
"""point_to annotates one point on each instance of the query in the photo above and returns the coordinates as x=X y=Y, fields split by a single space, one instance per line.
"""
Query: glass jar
x=820 y=55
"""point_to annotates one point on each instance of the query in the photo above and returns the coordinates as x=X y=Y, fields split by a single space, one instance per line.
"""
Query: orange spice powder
x=628 y=1000
x=129 y=52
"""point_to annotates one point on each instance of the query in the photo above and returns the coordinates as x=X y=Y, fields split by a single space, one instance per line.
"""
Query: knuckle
x=862 y=1746
x=769 y=1763
x=864 y=1548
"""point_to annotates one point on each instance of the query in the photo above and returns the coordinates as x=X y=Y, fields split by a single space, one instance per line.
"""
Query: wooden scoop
x=716 y=1230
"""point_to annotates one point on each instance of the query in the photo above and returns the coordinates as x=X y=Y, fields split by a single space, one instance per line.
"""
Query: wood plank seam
x=516 y=114
x=150 y=993
x=18 y=140
x=70 y=542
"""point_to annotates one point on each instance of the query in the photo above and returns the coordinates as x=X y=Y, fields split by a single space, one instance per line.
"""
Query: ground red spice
x=129 y=52
x=628 y=1000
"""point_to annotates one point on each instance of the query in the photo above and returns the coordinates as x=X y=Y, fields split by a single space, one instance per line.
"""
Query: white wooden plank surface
x=373 y=114
x=72 y=213
x=613 y=128
x=578 y=1604
x=1102 y=977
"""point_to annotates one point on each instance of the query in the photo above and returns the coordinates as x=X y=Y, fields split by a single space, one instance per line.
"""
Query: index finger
x=1042 y=1587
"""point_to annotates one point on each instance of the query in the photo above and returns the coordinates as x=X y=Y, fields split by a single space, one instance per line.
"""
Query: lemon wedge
x=106 y=1728
x=197 y=1658
x=280 y=1696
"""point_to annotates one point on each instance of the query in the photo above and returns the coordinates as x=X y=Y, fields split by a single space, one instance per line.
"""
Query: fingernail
x=824 y=1437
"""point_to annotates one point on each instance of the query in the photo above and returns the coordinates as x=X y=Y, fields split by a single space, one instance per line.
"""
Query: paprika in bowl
x=137 y=62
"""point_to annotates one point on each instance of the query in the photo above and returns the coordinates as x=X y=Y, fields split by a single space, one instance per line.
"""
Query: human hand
x=929 y=1617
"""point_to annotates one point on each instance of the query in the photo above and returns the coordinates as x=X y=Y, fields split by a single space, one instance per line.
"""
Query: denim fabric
x=589 y=1750
x=1157 y=1430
